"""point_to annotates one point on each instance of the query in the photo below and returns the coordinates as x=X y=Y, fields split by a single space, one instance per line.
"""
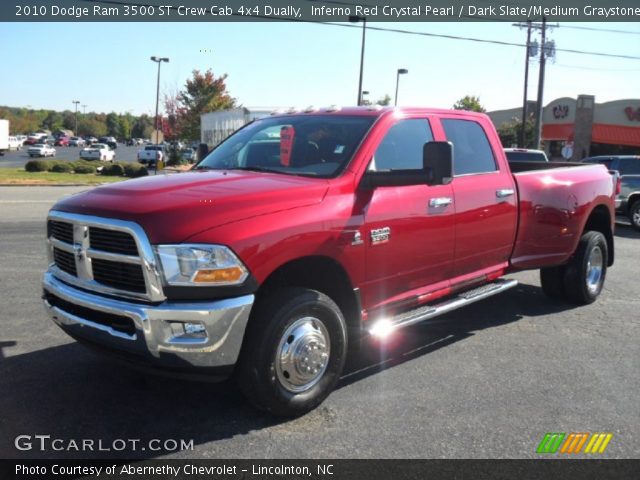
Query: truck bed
x=555 y=199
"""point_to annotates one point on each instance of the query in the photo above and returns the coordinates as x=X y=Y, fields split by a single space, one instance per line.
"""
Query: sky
x=106 y=66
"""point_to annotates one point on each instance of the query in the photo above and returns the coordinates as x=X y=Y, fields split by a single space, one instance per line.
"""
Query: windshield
x=314 y=145
x=526 y=156
x=153 y=147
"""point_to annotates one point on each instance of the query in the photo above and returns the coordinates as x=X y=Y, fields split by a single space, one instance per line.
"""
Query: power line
x=606 y=30
x=478 y=40
x=405 y=32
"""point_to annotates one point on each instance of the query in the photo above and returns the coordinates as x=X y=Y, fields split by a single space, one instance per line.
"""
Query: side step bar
x=385 y=325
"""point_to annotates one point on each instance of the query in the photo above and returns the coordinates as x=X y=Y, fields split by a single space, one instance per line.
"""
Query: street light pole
x=401 y=71
x=158 y=60
x=356 y=19
x=76 y=116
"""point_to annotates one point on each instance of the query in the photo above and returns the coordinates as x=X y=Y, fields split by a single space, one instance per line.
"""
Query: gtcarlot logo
x=46 y=443
x=574 y=443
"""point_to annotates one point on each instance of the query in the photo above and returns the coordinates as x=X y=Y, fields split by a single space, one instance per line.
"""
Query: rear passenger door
x=485 y=200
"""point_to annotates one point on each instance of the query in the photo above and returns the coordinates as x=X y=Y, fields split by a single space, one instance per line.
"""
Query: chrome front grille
x=108 y=256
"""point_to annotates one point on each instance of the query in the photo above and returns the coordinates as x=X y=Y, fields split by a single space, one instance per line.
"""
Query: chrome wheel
x=595 y=265
x=303 y=354
x=635 y=218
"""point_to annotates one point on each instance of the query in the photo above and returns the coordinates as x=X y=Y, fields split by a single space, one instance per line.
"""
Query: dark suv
x=628 y=201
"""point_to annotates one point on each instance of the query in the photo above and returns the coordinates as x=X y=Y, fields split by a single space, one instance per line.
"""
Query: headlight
x=200 y=265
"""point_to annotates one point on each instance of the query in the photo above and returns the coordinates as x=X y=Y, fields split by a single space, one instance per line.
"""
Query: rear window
x=526 y=156
x=471 y=149
x=630 y=166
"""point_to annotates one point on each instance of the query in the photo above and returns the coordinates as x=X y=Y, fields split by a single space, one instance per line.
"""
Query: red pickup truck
x=304 y=232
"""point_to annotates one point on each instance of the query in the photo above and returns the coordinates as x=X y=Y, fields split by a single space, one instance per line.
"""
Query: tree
x=469 y=102
x=384 y=101
x=112 y=124
x=202 y=94
x=143 y=127
x=509 y=133
x=124 y=127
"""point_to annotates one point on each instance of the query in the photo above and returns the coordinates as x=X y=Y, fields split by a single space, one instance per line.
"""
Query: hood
x=174 y=207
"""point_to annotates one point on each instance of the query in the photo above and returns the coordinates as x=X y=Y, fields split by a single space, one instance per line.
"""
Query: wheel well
x=632 y=199
x=318 y=273
x=600 y=221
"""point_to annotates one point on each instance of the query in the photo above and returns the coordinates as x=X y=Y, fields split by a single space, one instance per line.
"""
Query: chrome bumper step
x=385 y=325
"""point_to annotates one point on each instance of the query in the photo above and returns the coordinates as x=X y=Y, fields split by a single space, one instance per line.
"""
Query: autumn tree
x=469 y=102
x=202 y=93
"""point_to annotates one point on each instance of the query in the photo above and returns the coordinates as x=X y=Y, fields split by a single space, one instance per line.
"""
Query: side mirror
x=437 y=158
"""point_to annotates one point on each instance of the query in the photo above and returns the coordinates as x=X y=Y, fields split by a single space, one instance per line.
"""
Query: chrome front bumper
x=164 y=334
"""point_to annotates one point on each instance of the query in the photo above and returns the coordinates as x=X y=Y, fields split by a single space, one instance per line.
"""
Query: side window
x=401 y=147
x=471 y=149
x=629 y=166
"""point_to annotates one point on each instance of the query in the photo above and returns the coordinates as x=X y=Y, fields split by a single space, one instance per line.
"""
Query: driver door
x=409 y=229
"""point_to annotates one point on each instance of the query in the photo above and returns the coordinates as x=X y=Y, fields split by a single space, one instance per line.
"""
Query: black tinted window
x=401 y=148
x=607 y=162
x=629 y=166
x=471 y=149
x=526 y=156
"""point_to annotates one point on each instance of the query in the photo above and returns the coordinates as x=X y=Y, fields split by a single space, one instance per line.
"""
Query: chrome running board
x=383 y=326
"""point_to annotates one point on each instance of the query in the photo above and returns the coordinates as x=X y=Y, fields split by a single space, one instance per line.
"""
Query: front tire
x=586 y=272
x=294 y=351
x=634 y=215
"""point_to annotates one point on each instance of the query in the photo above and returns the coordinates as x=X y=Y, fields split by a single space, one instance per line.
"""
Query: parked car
x=21 y=139
x=98 y=151
x=151 y=154
x=14 y=143
x=76 y=142
x=190 y=155
x=278 y=253
x=525 y=155
x=628 y=200
x=62 y=142
x=32 y=140
x=41 y=150
x=89 y=140
x=110 y=141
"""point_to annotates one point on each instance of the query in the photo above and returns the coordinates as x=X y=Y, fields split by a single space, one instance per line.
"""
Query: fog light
x=382 y=328
x=195 y=329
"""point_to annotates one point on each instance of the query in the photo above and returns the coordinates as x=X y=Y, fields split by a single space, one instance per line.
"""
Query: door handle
x=504 y=192
x=440 y=202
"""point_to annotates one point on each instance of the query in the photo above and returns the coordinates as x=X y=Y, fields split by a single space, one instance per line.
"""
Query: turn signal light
x=222 y=275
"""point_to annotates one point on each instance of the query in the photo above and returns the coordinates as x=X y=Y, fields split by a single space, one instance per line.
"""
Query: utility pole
x=76 y=116
x=522 y=141
x=546 y=50
x=543 y=55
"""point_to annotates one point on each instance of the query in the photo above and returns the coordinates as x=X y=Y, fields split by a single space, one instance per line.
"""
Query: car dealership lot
x=17 y=159
x=487 y=381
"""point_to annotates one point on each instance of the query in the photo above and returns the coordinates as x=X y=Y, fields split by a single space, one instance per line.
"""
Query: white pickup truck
x=151 y=154
x=98 y=151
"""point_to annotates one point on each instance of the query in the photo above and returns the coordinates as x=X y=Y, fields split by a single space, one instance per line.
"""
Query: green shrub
x=114 y=170
x=84 y=168
x=134 y=170
x=62 y=167
x=37 y=166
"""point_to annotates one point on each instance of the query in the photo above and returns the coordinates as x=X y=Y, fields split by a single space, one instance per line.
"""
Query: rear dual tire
x=581 y=280
x=634 y=215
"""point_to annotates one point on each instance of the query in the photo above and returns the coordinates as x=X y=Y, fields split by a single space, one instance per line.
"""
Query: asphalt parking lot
x=487 y=381
x=17 y=159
